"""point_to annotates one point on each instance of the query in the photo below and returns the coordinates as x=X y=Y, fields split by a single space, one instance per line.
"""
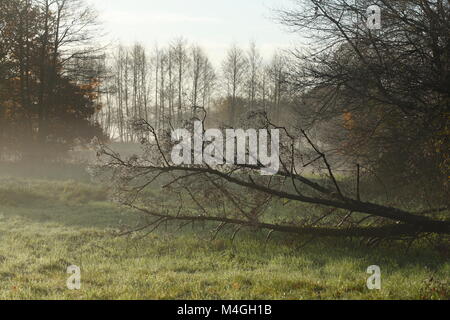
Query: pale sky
x=213 y=24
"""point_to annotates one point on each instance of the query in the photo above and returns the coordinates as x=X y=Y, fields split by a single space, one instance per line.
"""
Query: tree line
x=59 y=88
x=168 y=85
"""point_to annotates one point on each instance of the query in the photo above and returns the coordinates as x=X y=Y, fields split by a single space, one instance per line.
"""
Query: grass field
x=47 y=225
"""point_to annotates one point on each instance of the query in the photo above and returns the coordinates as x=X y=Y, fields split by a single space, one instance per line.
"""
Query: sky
x=213 y=24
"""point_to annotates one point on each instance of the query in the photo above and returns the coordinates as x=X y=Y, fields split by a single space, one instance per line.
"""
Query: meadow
x=49 y=221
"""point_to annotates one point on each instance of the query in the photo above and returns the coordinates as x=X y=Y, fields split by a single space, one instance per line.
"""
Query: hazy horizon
x=214 y=25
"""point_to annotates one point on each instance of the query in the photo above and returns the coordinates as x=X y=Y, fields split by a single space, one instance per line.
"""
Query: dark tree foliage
x=382 y=95
x=44 y=109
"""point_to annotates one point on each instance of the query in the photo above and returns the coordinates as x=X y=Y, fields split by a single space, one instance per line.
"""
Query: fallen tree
x=239 y=196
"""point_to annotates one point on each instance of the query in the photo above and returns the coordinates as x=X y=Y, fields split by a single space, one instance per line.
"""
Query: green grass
x=47 y=225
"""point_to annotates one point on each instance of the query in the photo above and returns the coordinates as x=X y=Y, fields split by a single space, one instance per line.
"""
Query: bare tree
x=181 y=60
x=208 y=78
x=254 y=73
x=197 y=66
x=238 y=196
x=203 y=77
x=276 y=72
x=234 y=69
